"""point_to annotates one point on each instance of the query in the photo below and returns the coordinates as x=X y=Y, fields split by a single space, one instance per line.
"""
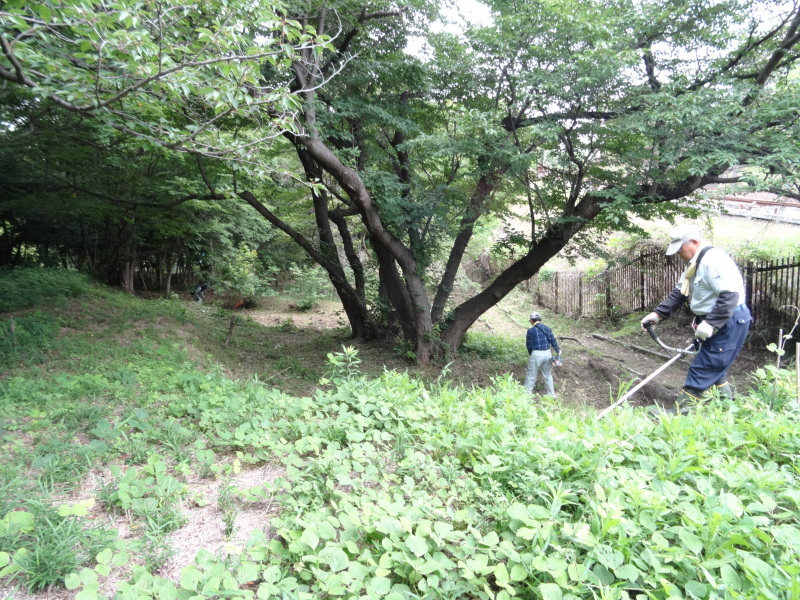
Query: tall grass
x=30 y=287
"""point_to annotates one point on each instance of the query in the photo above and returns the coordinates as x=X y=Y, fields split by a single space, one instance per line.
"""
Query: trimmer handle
x=648 y=327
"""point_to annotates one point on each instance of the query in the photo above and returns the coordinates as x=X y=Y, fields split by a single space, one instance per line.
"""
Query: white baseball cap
x=680 y=235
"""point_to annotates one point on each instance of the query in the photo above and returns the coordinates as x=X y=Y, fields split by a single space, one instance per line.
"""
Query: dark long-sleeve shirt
x=540 y=337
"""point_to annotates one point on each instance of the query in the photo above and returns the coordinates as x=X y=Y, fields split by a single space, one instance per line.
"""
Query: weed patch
x=387 y=486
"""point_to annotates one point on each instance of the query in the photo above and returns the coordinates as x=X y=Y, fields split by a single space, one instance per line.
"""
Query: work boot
x=723 y=389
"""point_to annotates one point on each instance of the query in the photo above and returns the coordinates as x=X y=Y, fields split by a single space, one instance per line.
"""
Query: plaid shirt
x=540 y=337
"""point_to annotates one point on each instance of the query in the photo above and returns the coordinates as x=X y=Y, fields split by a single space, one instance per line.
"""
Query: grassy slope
x=114 y=411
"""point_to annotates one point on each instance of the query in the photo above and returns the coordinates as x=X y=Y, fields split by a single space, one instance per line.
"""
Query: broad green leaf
x=526 y=533
x=519 y=512
x=757 y=566
x=105 y=556
x=551 y=591
x=518 y=573
x=417 y=545
x=335 y=558
x=690 y=541
x=18 y=520
x=490 y=539
x=120 y=559
x=72 y=581
x=271 y=574
x=191 y=577
x=695 y=589
x=627 y=573
x=501 y=574
x=730 y=577
x=310 y=538
x=608 y=556
x=380 y=585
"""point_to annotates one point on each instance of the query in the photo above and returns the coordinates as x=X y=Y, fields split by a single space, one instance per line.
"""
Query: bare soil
x=581 y=381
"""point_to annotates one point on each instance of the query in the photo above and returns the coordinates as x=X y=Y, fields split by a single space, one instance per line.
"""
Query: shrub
x=309 y=285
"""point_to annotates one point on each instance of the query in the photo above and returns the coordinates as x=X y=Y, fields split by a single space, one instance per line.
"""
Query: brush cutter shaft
x=651 y=330
x=646 y=380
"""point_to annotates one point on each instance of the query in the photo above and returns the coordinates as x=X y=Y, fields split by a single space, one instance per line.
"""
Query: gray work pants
x=540 y=361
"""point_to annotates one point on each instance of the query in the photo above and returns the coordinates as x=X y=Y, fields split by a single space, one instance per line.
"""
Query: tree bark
x=484 y=189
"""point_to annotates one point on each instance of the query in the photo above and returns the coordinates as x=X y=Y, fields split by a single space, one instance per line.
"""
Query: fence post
x=555 y=290
x=748 y=285
x=642 y=295
x=580 y=295
x=609 y=304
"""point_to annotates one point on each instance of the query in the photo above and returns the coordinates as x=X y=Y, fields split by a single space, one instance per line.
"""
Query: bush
x=309 y=285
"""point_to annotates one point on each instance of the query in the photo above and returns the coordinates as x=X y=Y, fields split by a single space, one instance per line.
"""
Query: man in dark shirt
x=539 y=340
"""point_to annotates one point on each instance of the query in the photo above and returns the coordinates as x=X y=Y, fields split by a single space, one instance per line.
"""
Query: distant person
x=200 y=292
x=539 y=340
x=713 y=284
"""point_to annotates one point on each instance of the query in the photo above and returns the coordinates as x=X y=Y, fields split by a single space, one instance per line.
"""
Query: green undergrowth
x=389 y=488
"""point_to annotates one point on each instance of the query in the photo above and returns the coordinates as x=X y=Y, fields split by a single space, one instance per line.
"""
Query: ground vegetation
x=142 y=459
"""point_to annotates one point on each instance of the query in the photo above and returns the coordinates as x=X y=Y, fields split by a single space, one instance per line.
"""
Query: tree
x=591 y=112
x=116 y=105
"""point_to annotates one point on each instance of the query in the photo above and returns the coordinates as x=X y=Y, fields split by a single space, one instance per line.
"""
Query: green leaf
x=335 y=558
x=526 y=533
x=103 y=570
x=696 y=589
x=519 y=512
x=690 y=541
x=271 y=574
x=417 y=545
x=120 y=559
x=757 y=566
x=608 y=556
x=518 y=573
x=490 y=539
x=72 y=581
x=166 y=591
x=551 y=591
x=310 y=539
x=18 y=520
x=627 y=573
x=730 y=577
x=501 y=575
x=191 y=578
x=380 y=585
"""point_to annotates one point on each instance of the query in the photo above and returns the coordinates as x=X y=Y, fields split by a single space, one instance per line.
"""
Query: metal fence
x=772 y=289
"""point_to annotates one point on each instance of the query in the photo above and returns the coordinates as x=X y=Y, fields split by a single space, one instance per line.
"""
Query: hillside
x=143 y=457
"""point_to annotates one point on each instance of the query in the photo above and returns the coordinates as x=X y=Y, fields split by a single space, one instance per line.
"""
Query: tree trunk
x=526 y=267
x=170 y=270
x=128 y=269
x=361 y=322
x=484 y=189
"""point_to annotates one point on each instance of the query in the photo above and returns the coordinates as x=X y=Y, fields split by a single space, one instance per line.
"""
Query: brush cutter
x=690 y=350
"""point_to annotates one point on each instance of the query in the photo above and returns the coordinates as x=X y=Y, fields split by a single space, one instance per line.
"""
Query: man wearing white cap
x=714 y=287
x=538 y=341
